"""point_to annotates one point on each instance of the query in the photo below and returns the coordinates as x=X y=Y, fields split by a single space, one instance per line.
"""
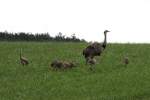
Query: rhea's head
x=106 y=31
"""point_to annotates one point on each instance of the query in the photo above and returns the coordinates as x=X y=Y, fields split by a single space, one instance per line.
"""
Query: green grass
x=111 y=80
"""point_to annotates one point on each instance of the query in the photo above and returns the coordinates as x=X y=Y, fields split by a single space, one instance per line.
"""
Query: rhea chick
x=91 y=61
x=59 y=64
x=126 y=60
x=23 y=60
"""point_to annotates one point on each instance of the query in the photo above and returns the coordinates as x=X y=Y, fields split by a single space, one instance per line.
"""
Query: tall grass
x=110 y=80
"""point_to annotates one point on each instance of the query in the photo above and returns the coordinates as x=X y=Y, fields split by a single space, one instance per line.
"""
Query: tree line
x=22 y=36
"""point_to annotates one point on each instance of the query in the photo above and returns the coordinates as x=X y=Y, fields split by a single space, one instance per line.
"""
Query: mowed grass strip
x=110 y=80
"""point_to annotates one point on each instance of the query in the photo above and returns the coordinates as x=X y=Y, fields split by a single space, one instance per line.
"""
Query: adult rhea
x=95 y=49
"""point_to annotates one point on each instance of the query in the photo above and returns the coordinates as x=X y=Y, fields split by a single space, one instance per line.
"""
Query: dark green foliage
x=22 y=36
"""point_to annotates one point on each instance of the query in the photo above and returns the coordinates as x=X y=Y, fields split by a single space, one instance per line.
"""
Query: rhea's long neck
x=105 y=42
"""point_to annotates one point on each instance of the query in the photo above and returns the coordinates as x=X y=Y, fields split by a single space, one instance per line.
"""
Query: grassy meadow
x=110 y=80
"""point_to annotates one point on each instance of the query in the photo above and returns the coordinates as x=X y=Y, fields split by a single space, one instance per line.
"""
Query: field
x=110 y=80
